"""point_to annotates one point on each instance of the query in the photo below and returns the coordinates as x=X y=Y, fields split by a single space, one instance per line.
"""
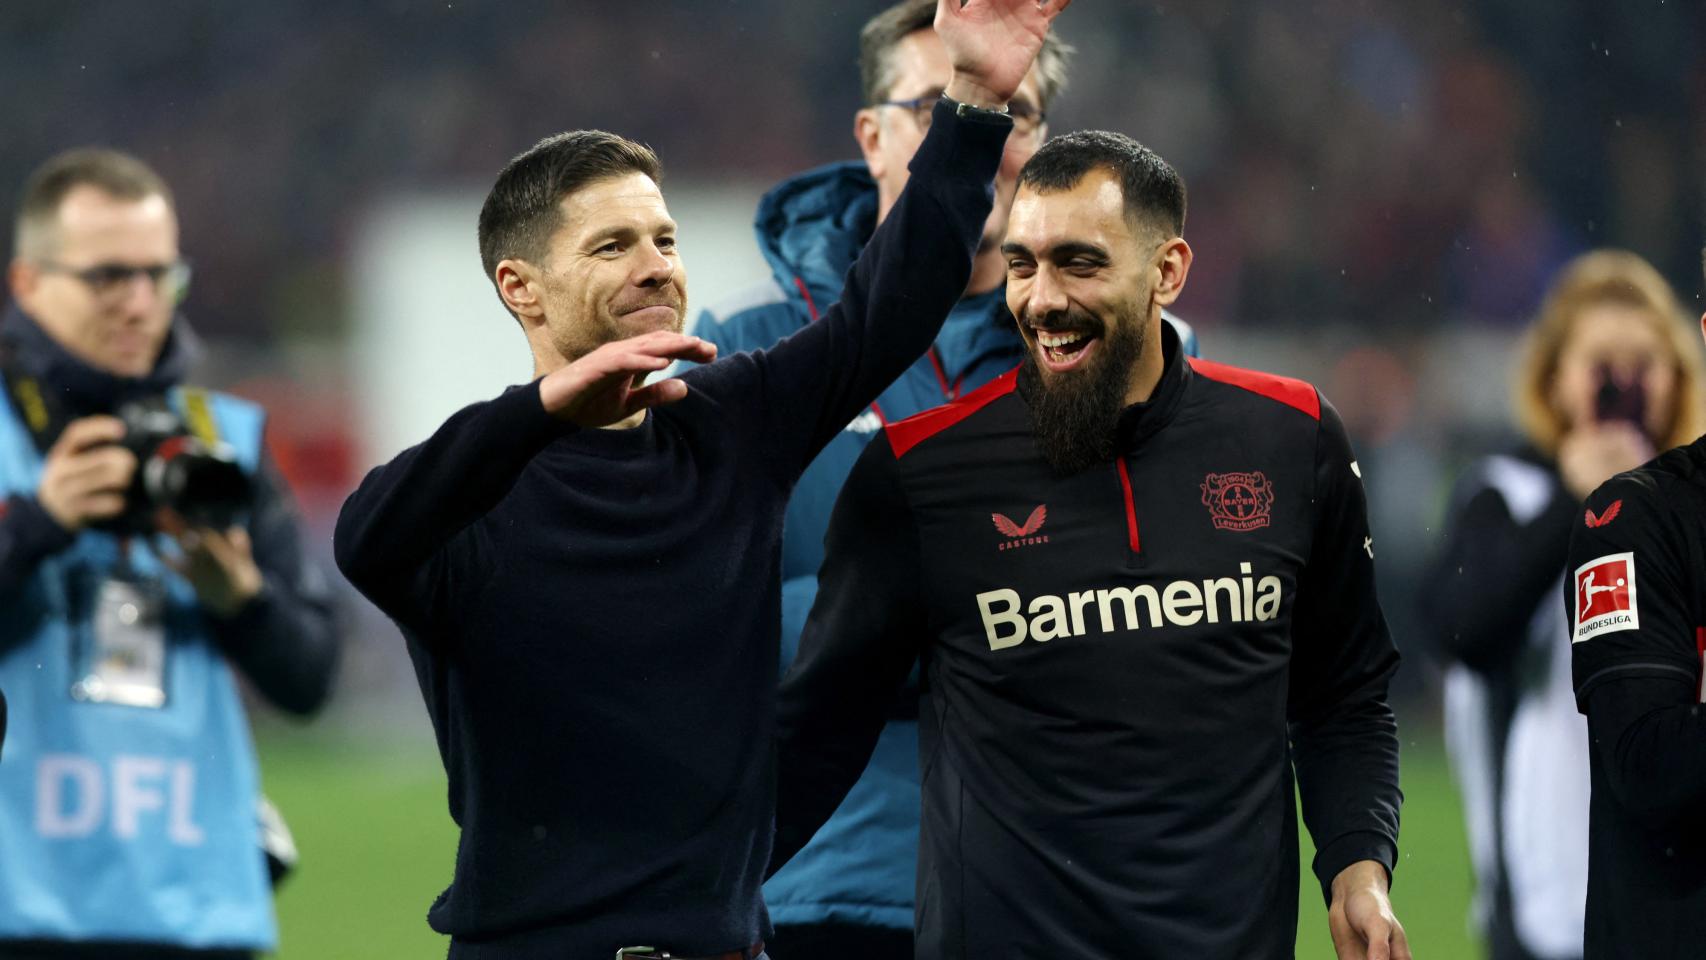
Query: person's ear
x=868 y=133
x=1174 y=266
x=522 y=289
x=22 y=277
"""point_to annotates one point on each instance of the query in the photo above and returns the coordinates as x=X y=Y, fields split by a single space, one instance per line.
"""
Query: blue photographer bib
x=132 y=816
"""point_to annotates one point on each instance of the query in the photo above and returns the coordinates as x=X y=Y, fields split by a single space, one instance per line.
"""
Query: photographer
x=1609 y=376
x=145 y=542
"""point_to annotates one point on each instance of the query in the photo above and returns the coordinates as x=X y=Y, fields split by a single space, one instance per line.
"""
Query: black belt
x=653 y=953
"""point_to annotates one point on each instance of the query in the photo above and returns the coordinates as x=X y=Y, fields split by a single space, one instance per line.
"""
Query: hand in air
x=991 y=44
x=607 y=386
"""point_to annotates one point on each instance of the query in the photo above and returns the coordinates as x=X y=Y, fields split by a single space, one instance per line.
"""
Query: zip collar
x=1140 y=421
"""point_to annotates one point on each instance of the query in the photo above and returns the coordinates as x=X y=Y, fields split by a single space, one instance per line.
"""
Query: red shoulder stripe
x=1293 y=393
x=909 y=433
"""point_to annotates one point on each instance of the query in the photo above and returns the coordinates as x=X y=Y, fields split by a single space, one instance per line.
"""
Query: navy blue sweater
x=593 y=614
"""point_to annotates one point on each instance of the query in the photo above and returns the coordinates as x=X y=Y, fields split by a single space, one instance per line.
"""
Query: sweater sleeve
x=285 y=639
x=798 y=394
x=395 y=525
x=1343 y=733
x=860 y=641
x=1503 y=549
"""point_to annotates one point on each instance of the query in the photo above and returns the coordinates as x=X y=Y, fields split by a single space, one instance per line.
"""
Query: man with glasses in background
x=129 y=796
x=850 y=892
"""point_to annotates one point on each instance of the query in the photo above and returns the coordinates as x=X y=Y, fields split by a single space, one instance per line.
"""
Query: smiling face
x=611 y=272
x=1082 y=282
x=1085 y=284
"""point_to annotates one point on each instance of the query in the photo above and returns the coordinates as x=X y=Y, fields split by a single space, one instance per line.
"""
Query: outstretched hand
x=991 y=44
x=607 y=386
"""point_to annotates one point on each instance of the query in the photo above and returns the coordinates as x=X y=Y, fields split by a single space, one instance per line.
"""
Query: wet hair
x=883 y=32
x=524 y=208
x=116 y=174
x=1153 y=191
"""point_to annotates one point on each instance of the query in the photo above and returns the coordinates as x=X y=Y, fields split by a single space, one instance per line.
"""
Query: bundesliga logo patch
x=1605 y=597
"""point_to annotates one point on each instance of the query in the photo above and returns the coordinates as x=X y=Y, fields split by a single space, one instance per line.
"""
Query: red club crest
x=1238 y=501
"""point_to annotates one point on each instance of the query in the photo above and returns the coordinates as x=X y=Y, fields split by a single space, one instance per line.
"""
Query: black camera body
x=1621 y=397
x=201 y=482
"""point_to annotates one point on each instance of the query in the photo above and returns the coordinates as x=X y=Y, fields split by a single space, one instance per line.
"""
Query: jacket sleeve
x=1637 y=665
x=1634 y=568
x=896 y=297
x=860 y=641
x=28 y=535
x=1499 y=561
x=285 y=640
x=1343 y=735
x=392 y=530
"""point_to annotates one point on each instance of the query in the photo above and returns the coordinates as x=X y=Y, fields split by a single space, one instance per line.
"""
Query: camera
x=199 y=481
x=1621 y=397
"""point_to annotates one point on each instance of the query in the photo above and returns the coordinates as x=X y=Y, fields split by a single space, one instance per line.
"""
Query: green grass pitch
x=377 y=846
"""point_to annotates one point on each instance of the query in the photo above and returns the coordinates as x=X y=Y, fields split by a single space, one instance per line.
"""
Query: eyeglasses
x=1027 y=119
x=109 y=281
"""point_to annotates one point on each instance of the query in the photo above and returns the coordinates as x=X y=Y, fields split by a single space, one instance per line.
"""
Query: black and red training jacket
x=1125 y=667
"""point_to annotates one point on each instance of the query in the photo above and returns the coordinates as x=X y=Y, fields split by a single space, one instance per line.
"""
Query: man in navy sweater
x=586 y=568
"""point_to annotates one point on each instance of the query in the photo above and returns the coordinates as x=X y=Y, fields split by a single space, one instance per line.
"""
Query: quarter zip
x=1130 y=507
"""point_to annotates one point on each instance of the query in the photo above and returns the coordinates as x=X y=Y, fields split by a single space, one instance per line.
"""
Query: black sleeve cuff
x=525 y=407
x=29 y=531
x=966 y=149
x=239 y=629
x=1332 y=859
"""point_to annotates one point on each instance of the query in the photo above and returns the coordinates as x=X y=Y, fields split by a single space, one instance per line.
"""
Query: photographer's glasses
x=111 y=281
x=1027 y=118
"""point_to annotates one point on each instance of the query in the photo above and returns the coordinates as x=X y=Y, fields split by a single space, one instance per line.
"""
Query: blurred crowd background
x=1379 y=192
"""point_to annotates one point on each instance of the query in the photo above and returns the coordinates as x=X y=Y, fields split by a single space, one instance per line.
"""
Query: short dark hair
x=1153 y=191
x=524 y=208
x=114 y=173
x=877 y=40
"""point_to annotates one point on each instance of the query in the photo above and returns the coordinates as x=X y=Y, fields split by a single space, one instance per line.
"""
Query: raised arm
x=405 y=511
x=918 y=262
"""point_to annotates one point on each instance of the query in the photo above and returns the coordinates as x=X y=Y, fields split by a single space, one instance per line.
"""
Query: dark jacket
x=860 y=866
x=284 y=640
x=1125 y=666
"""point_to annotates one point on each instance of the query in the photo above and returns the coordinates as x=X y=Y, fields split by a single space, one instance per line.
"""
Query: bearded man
x=1142 y=588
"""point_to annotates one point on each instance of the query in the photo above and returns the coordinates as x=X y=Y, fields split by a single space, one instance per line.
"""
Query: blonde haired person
x=1610 y=374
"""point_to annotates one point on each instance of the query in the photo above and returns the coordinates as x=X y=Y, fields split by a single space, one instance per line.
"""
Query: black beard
x=1075 y=416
